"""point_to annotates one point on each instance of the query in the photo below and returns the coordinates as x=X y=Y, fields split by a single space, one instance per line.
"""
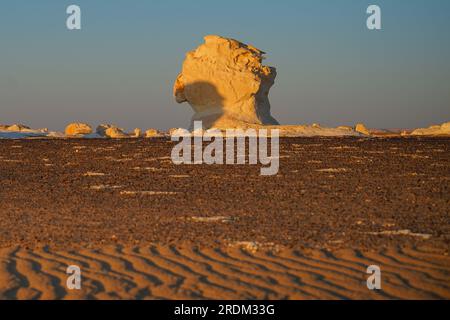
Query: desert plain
x=141 y=227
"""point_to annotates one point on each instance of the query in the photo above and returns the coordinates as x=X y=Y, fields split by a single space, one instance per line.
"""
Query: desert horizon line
x=81 y=129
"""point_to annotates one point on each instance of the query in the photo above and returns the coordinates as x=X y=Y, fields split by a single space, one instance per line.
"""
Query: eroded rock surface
x=111 y=131
x=226 y=84
x=151 y=133
x=361 y=128
x=76 y=129
x=435 y=130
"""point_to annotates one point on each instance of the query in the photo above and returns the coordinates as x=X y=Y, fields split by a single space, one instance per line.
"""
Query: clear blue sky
x=121 y=66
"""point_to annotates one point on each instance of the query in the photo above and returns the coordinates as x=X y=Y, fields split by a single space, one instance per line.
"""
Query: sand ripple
x=169 y=272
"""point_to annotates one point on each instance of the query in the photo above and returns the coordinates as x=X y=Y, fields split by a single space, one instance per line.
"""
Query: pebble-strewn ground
x=59 y=198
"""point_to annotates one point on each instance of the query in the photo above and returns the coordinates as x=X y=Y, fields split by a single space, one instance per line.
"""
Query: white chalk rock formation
x=18 y=128
x=361 y=128
x=20 y=131
x=115 y=132
x=313 y=131
x=152 y=133
x=137 y=133
x=226 y=84
x=346 y=128
x=111 y=131
x=435 y=130
x=78 y=129
x=178 y=132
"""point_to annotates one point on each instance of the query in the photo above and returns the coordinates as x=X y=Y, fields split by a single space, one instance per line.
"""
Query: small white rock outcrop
x=434 y=130
x=77 y=129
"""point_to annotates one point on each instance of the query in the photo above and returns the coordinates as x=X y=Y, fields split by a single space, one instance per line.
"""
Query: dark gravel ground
x=329 y=193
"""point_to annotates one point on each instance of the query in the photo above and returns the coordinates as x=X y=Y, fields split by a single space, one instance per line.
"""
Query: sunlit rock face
x=434 y=130
x=75 y=129
x=361 y=128
x=111 y=131
x=226 y=84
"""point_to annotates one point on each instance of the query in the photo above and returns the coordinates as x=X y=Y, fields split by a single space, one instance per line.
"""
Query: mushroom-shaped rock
x=76 y=129
x=226 y=84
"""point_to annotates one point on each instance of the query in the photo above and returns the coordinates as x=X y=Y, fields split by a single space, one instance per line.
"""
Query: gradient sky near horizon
x=121 y=66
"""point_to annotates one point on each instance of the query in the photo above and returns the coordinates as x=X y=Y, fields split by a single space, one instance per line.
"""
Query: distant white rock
x=434 y=130
x=361 y=128
x=153 y=133
x=284 y=131
x=111 y=131
x=116 y=133
x=314 y=131
x=20 y=131
x=55 y=134
x=346 y=128
x=137 y=133
x=445 y=127
x=18 y=128
x=77 y=129
x=179 y=132
x=101 y=129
